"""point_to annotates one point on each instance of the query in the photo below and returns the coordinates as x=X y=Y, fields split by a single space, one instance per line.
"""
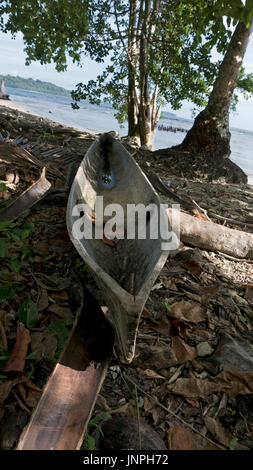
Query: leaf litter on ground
x=197 y=278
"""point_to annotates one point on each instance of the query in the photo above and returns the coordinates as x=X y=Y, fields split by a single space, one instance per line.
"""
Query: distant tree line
x=34 y=85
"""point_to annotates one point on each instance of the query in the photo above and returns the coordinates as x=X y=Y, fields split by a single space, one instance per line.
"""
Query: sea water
x=94 y=118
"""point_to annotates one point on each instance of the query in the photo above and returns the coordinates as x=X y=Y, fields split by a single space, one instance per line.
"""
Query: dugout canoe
x=125 y=269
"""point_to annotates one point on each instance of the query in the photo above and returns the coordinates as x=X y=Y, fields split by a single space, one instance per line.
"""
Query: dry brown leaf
x=249 y=292
x=62 y=312
x=16 y=361
x=200 y=215
x=151 y=374
x=3 y=327
x=146 y=313
x=156 y=415
x=121 y=410
x=231 y=382
x=29 y=393
x=102 y=403
x=3 y=318
x=60 y=246
x=202 y=334
x=63 y=234
x=44 y=247
x=16 y=277
x=44 y=342
x=6 y=386
x=109 y=242
x=193 y=403
x=182 y=351
x=52 y=282
x=4 y=195
x=180 y=438
x=163 y=327
x=208 y=292
x=2 y=411
x=179 y=327
x=190 y=295
x=191 y=266
x=221 y=434
x=195 y=388
x=239 y=382
x=63 y=295
x=188 y=311
x=42 y=301
x=170 y=284
x=128 y=409
x=154 y=357
x=147 y=404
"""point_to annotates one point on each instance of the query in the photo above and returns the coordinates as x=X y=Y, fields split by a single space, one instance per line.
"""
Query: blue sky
x=13 y=63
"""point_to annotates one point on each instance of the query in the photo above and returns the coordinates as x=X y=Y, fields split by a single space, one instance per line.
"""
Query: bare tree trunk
x=148 y=116
x=133 y=112
x=144 y=106
x=210 y=133
x=142 y=113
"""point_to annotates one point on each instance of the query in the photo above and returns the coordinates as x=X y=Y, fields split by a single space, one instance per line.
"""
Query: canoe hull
x=126 y=271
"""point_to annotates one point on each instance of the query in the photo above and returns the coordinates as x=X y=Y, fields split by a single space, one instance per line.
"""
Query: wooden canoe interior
x=127 y=185
x=125 y=272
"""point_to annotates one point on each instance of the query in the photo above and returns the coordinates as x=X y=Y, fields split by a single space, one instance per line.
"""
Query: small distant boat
x=3 y=94
x=126 y=272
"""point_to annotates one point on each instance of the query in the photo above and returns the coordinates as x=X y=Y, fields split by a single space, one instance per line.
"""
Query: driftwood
x=63 y=412
x=3 y=94
x=214 y=237
x=27 y=199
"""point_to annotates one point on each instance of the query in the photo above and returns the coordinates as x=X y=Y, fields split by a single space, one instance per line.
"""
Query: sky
x=13 y=62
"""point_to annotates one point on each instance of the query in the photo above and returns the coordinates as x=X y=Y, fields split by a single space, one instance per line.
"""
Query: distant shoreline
x=22 y=109
x=29 y=84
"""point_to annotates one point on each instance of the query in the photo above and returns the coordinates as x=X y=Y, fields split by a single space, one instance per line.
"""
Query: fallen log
x=210 y=236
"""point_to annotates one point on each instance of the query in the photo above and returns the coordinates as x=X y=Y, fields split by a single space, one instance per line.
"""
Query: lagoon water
x=100 y=119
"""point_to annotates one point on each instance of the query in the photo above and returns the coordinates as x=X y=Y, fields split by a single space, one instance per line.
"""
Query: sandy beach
x=11 y=105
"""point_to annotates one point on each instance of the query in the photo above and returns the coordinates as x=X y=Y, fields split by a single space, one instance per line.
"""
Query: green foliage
x=46 y=136
x=167 y=305
x=33 y=85
x=4 y=356
x=233 y=443
x=238 y=10
x=179 y=56
x=61 y=331
x=2 y=185
x=13 y=251
x=244 y=86
x=6 y=291
x=93 y=423
x=28 y=313
x=12 y=236
x=51 y=29
x=31 y=360
x=81 y=267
